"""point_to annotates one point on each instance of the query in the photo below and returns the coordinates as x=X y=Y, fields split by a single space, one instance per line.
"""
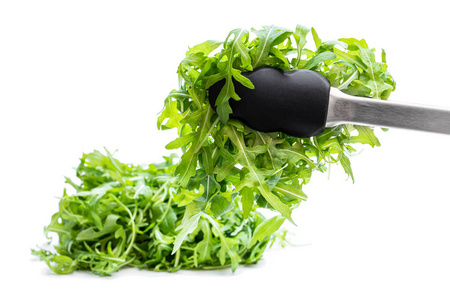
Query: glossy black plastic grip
x=294 y=102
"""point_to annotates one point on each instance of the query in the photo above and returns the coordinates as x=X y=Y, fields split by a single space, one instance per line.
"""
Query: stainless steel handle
x=346 y=109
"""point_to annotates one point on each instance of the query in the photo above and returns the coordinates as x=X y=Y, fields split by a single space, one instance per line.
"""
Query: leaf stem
x=165 y=212
x=133 y=225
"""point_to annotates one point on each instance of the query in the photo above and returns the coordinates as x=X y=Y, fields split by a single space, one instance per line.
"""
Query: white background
x=82 y=75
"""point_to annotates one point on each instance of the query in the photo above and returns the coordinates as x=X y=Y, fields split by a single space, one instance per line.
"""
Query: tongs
x=302 y=103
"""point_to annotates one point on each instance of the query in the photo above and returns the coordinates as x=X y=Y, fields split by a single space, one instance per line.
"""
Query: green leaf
x=220 y=205
x=92 y=233
x=209 y=183
x=291 y=192
x=188 y=165
x=268 y=37
x=351 y=58
x=365 y=135
x=225 y=245
x=275 y=202
x=318 y=58
x=242 y=79
x=234 y=47
x=61 y=264
x=208 y=159
x=316 y=38
x=300 y=38
x=204 y=248
x=166 y=217
x=265 y=229
x=205 y=48
x=203 y=251
x=170 y=114
x=345 y=162
x=189 y=160
x=181 y=141
x=187 y=227
x=247 y=201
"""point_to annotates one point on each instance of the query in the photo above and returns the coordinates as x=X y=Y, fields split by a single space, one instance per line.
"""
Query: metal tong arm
x=344 y=108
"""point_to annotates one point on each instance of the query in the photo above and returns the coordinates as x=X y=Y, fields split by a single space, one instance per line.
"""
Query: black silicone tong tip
x=294 y=102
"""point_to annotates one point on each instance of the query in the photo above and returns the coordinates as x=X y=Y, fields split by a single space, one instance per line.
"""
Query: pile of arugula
x=201 y=212
x=124 y=215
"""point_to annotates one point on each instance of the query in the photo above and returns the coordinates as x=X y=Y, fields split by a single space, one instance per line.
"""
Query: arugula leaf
x=365 y=136
x=206 y=48
x=266 y=229
x=318 y=58
x=300 y=38
x=220 y=205
x=268 y=37
x=235 y=49
x=188 y=165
